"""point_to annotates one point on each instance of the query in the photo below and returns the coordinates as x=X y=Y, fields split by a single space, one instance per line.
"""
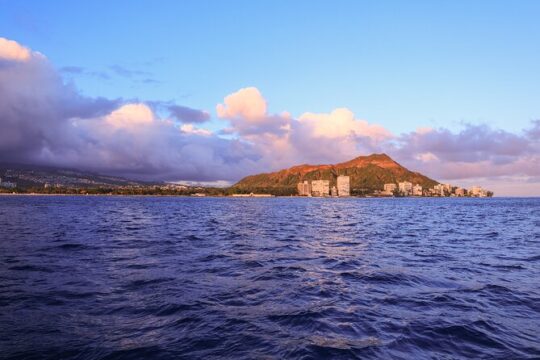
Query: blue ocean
x=89 y=277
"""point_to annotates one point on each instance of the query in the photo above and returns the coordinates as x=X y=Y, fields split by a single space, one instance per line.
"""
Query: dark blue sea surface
x=279 y=278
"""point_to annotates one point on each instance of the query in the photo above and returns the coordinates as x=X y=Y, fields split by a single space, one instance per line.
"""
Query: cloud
x=188 y=115
x=13 y=51
x=284 y=140
x=35 y=104
x=246 y=103
x=475 y=152
x=45 y=120
x=190 y=129
x=128 y=73
x=79 y=70
x=341 y=123
x=131 y=116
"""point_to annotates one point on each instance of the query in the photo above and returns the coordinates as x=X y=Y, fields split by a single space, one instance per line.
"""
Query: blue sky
x=401 y=64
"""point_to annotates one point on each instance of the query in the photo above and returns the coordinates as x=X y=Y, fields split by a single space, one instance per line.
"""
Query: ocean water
x=280 y=278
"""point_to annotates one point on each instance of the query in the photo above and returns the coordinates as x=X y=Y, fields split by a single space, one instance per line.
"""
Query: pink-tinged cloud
x=474 y=154
x=246 y=103
x=131 y=116
x=341 y=123
x=13 y=51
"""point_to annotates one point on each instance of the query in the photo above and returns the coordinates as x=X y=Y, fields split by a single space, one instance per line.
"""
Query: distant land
x=372 y=175
x=367 y=173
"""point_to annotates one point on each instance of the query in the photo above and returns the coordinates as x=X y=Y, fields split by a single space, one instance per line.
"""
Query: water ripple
x=167 y=278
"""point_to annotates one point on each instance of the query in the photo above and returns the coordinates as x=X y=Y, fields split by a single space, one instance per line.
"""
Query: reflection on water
x=121 y=277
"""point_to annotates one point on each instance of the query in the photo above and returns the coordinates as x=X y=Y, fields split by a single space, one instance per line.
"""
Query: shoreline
x=264 y=197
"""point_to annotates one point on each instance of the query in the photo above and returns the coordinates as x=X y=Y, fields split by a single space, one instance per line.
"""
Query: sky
x=213 y=91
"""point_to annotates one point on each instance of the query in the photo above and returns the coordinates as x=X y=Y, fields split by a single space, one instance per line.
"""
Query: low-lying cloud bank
x=45 y=120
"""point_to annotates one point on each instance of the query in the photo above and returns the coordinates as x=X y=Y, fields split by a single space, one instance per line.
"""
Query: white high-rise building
x=417 y=190
x=343 y=185
x=320 y=187
x=389 y=189
x=304 y=189
x=478 y=191
x=405 y=187
x=439 y=190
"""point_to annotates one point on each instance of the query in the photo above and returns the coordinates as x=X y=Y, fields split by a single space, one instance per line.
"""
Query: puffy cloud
x=246 y=103
x=190 y=129
x=477 y=154
x=35 y=105
x=131 y=116
x=13 y=51
x=284 y=140
x=246 y=110
x=47 y=121
x=341 y=123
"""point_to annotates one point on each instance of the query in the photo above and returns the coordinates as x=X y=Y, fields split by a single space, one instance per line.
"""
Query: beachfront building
x=389 y=189
x=304 y=188
x=477 y=191
x=405 y=188
x=300 y=189
x=417 y=190
x=343 y=186
x=438 y=190
x=459 y=192
x=320 y=187
x=333 y=191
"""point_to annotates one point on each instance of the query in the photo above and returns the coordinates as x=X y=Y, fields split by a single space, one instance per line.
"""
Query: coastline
x=261 y=197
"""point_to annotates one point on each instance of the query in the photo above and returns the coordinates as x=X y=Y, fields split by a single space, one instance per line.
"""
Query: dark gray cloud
x=188 y=115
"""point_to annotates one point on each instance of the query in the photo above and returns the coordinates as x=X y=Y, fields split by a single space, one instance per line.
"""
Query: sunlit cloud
x=12 y=51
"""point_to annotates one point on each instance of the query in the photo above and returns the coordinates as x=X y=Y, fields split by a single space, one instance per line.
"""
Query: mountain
x=367 y=174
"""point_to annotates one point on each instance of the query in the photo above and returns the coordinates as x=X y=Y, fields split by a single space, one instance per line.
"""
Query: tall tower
x=343 y=185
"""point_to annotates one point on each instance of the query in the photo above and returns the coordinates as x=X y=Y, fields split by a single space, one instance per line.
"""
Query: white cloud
x=246 y=103
x=191 y=129
x=341 y=123
x=130 y=116
x=13 y=51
